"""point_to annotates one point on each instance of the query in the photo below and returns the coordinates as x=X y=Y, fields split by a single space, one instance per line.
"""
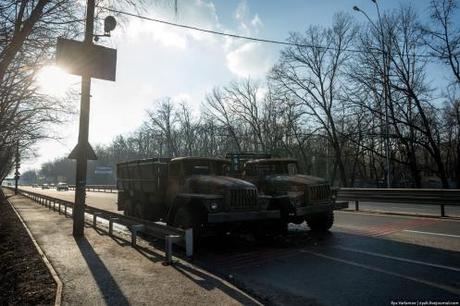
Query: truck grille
x=242 y=199
x=318 y=193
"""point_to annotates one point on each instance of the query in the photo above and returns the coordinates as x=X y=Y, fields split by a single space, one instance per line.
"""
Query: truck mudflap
x=302 y=211
x=243 y=216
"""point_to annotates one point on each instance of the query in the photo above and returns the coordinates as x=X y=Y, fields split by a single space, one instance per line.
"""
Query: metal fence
x=168 y=233
x=441 y=197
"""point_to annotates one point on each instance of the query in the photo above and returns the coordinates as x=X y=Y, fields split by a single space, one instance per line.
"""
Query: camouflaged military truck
x=299 y=197
x=191 y=192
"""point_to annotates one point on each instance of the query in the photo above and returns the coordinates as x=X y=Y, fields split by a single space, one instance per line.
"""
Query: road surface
x=366 y=259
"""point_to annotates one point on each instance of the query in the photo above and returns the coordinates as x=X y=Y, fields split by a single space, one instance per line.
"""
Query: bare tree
x=311 y=72
x=217 y=106
x=442 y=37
x=162 y=119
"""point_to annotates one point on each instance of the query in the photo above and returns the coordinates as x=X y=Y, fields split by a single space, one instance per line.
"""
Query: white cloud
x=250 y=60
x=247 y=58
x=256 y=22
x=157 y=60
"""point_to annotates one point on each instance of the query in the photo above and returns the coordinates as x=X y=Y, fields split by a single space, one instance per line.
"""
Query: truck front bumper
x=224 y=217
x=302 y=211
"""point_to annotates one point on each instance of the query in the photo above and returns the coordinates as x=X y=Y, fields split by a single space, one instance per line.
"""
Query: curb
x=58 y=299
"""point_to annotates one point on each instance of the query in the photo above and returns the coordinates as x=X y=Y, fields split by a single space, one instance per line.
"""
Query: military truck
x=191 y=192
x=299 y=197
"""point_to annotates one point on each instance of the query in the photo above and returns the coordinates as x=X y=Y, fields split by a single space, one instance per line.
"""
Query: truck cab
x=191 y=192
x=299 y=197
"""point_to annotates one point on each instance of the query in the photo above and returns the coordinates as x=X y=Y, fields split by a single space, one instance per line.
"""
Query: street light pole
x=385 y=86
x=80 y=186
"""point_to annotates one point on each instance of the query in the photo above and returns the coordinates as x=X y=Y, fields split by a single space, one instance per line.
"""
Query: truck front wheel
x=320 y=222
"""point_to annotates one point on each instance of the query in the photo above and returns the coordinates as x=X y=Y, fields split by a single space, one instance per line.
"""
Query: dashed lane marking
x=434 y=234
x=375 y=269
x=423 y=263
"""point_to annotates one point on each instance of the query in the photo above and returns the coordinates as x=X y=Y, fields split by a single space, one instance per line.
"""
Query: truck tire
x=186 y=218
x=320 y=222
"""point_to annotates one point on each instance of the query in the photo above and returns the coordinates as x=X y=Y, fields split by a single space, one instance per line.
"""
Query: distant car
x=45 y=186
x=62 y=186
x=35 y=185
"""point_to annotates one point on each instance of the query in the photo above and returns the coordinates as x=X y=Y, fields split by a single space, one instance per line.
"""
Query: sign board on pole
x=103 y=170
x=95 y=61
x=90 y=154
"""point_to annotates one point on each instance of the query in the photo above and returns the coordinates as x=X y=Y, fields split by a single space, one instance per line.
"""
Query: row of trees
x=355 y=104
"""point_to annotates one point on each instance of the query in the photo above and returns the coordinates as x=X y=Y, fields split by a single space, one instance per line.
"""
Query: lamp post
x=385 y=83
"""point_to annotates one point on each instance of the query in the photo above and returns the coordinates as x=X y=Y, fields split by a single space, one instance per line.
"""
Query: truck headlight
x=214 y=206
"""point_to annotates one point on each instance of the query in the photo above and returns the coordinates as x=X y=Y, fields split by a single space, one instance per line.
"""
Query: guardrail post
x=65 y=209
x=59 y=207
x=356 y=205
x=111 y=225
x=443 y=212
x=95 y=219
x=168 y=246
x=134 y=229
x=189 y=242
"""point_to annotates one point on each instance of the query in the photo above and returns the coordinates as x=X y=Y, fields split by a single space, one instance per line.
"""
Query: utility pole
x=80 y=186
x=17 y=174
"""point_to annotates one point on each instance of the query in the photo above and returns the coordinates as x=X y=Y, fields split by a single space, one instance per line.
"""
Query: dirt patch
x=24 y=278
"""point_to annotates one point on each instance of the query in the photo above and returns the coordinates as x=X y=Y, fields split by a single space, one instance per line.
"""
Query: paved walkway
x=99 y=270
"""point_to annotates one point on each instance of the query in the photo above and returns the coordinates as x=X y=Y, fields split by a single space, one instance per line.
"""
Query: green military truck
x=299 y=197
x=191 y=192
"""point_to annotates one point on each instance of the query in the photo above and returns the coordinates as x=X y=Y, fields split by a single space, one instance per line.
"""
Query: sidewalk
x=99 y=270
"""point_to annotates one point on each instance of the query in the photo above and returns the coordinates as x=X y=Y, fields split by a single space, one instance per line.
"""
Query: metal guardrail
x=168 y=233
x=441 y=197
x=100 y=188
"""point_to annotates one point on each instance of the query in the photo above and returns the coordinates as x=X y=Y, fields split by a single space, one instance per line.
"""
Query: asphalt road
x=101 y=200
x=366 y=259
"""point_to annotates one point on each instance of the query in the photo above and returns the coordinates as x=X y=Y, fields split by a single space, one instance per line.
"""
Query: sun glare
x=54 y=81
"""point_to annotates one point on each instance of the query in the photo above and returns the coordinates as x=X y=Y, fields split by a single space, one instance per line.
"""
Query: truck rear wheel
x=320 y=222
x=185 y=219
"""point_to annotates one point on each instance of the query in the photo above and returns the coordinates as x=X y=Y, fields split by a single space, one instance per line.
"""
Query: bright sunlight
x=54 y=81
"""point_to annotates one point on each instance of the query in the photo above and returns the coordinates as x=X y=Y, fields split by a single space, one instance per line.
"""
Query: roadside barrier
x=171 y=235
x=99 y=188
x=441 y=197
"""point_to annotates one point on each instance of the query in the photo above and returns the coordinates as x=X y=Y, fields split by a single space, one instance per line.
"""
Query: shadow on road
x=107 y=285
x=209 y=282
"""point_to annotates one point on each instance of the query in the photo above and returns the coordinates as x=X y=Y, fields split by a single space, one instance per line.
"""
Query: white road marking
x=414 y=279
x=399 y=259
x=434 y=234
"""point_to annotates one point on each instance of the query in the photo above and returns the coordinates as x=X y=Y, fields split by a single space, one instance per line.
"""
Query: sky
x=156 y=60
